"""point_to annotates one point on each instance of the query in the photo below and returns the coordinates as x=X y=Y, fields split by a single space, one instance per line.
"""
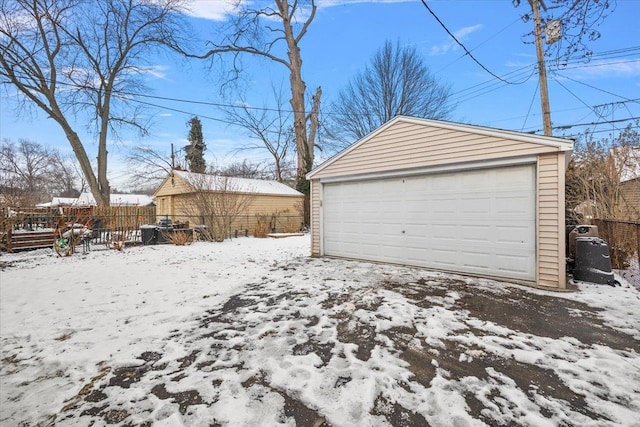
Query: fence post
x=9 y=234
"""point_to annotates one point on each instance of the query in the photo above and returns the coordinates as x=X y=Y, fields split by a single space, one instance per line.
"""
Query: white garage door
x=478 y=222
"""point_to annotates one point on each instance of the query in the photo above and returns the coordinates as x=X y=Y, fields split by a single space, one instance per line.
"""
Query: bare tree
x=150 y=166
x=68 y=57
x=396 y=82
x=219 y=201
x=27 y=168
x=33 y=173
x=268 y=32
x=595 y=175
x=243 y=169
x=269 y=128
x=66 y=179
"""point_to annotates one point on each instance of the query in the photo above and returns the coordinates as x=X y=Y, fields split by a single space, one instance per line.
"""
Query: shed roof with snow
x=235 y=185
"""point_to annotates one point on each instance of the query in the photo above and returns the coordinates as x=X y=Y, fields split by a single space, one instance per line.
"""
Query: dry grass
x=263 y=226
x=291 y=227
x=180 y=238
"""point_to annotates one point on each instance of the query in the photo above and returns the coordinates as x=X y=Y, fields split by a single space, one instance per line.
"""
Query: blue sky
x=340 y=42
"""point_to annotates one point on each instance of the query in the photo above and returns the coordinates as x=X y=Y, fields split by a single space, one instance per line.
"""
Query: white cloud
x=451 y=45
x=215 y=10
x=329 y=3
x=218 y=10
x=157 y=71
x=611 y=68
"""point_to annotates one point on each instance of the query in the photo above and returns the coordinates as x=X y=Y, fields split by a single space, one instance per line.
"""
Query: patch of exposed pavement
x=224 y=332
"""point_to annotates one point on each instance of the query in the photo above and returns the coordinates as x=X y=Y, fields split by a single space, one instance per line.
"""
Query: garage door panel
x=444 y=233
x=511 y=264
x=475 y=233
x=513 y=234
x=445 y=258
x=479 y=221
x=476 y=260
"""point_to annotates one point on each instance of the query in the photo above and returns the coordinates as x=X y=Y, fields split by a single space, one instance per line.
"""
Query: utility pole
x=542 y=68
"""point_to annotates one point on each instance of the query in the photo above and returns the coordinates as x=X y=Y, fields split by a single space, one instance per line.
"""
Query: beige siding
x=173 y=185
x=408 y=145
x=550 y=248
x=283 y=211
x=176 y=198
x=315 y=217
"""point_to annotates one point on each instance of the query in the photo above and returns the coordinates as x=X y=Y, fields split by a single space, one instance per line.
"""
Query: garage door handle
x=402 y=231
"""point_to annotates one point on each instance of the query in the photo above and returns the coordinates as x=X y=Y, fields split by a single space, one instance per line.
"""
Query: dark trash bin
x=149 y=234
x=580 y=231
x=593 y=262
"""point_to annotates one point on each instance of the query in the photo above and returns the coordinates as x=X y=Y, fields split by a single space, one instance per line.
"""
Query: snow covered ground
x=253 y=332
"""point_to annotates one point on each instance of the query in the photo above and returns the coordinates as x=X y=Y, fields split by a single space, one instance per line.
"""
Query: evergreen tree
x=196 y=147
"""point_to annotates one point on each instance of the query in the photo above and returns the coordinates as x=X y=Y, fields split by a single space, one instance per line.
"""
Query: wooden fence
x=111 y=217
x=623 y=238
x=32 y=228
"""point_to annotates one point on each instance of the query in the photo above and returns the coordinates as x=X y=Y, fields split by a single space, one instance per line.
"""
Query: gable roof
x=236 y=185
x=553 y=143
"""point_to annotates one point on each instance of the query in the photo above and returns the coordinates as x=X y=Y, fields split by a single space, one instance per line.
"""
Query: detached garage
x=446 y=196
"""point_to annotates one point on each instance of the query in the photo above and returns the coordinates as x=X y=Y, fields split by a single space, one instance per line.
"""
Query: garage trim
x=454 y=167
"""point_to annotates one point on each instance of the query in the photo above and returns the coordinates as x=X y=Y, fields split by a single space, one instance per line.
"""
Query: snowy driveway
x=252 y=332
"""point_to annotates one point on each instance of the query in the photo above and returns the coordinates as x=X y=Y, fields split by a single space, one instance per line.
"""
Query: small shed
x=180 y=198
x=447 y=196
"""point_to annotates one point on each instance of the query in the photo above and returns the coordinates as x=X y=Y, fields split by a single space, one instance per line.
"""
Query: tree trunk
x=103 y=196
x=298 y=89
x=313 y=125
x=85 y=164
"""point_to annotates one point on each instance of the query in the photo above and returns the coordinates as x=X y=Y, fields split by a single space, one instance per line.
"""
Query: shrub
x=263 y=226
x=291 y=227
x=180 y=237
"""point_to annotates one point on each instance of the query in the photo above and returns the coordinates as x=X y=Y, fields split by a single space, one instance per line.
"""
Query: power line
x=572 y=61
x=487 y=87
x=477 y=46
x=529 y=110
x=598 y=131
x=463 y=46
x=182 y=111
x=600 y=64
x=601 y=90
x=606 y=122
x=595 y=111
x=460 y=96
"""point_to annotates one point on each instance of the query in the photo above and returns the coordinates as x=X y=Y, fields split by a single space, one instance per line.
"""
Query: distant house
x=87 y=199
x=630 y=195
x=627 y=163
x=180 y=198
